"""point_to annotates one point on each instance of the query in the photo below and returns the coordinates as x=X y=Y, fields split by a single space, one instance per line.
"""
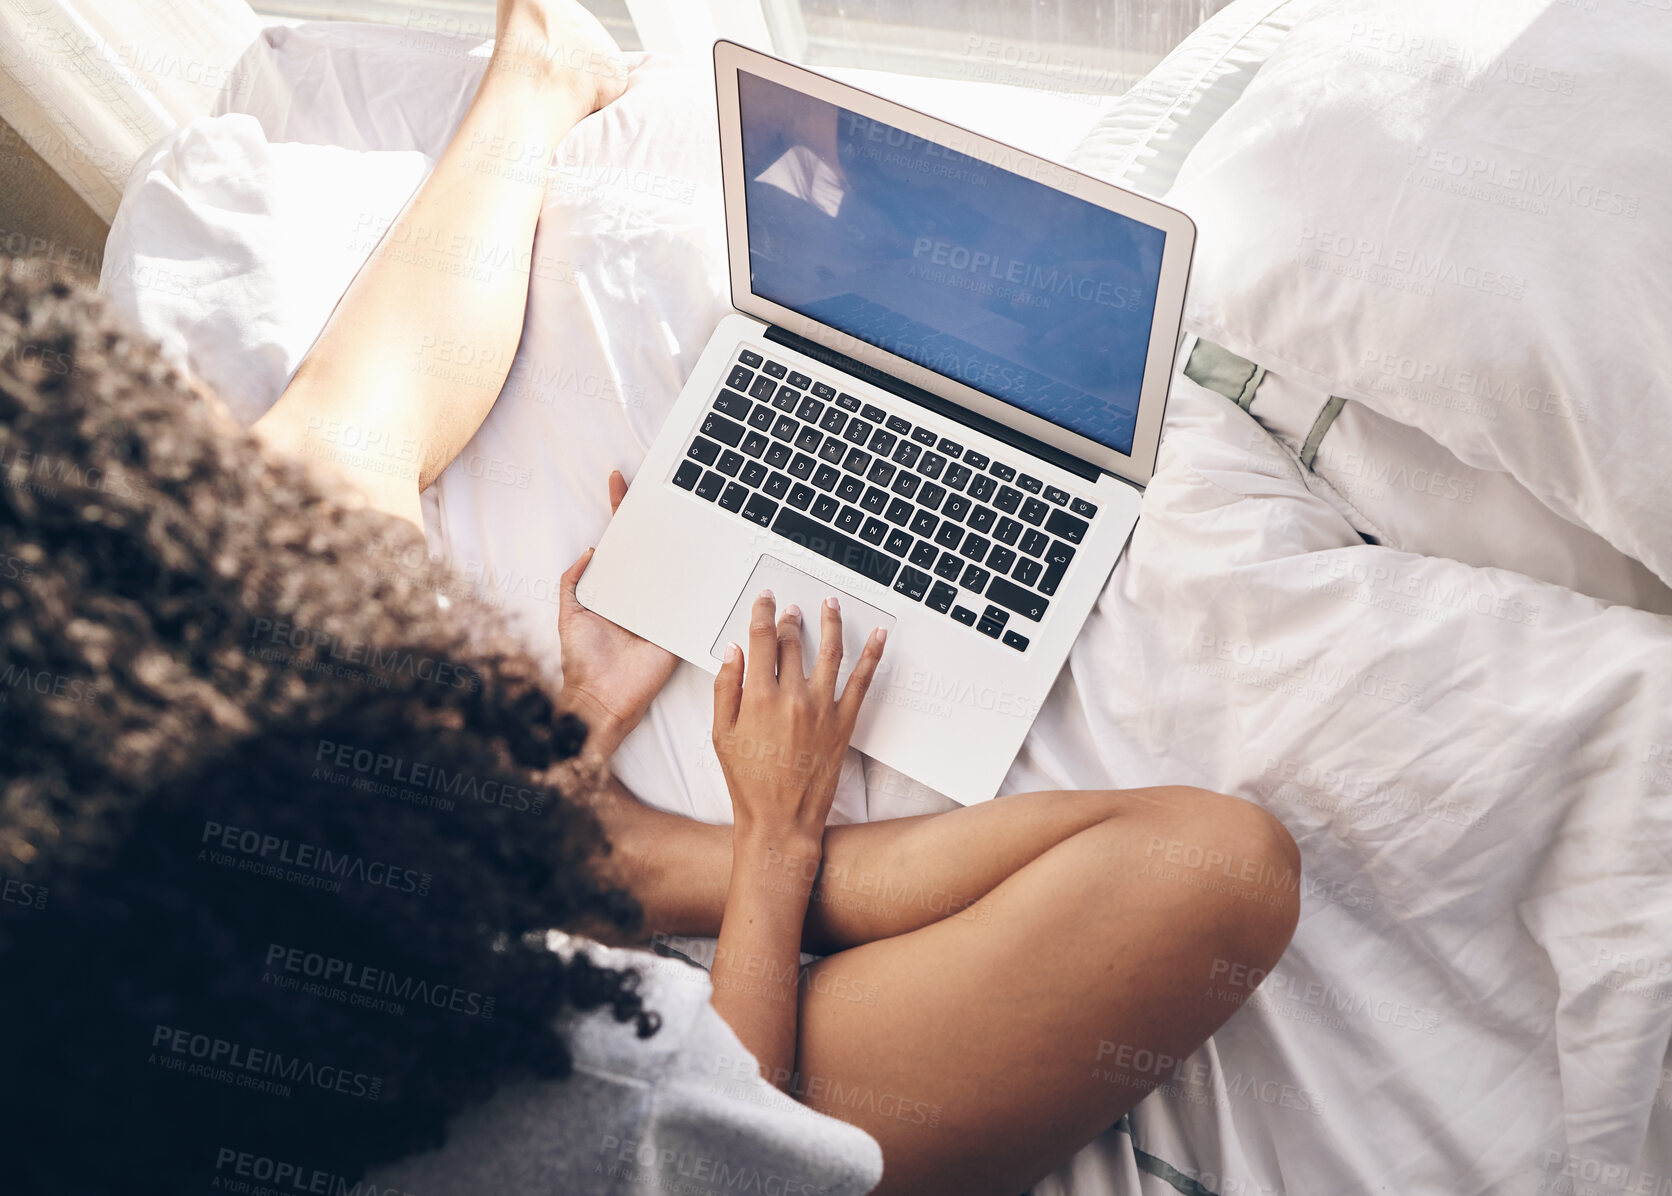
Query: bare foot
x=560 y=41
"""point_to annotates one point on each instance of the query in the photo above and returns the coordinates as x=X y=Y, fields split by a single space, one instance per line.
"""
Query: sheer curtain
x=89 y=84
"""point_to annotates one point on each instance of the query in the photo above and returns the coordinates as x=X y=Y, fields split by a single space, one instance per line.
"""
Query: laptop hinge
x=923 y=398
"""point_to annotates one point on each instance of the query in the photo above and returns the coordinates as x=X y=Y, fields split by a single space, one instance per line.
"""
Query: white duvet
x=1477 y=766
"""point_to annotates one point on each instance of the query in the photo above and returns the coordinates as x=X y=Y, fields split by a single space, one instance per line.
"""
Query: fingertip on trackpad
x=792 y=585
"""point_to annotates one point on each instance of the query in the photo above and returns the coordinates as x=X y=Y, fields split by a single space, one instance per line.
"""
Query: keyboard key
x=687 y=474
x=899 y=425
x=974 y=578
x=941 y=596
x=731 y=403
x=833 y=420
x=931 y=465
x=730 y=462
x=923 y=436
x=858 y=432
x=1055 y=566
x=1007 y=531
x=873 y=531
x=899 y=542
x=974 y=547
x=899 y=512
x=1024 y=602
x=785 y=429
x=754 y=473
x=924 y=523
x=1002 y=472
x=1082 y=508
x=957 y=476
x=857 y=461
x=777 y=455
x=975 y=460
x=873 y=413
x=949 y=566
x=906 y=455
x=875 y=500
x=833 y=450
x=964 y=615
x=1035 y=511
x=882 y=443
x=988 y=627
x=800 y=495
x=905 y=484
x=788 y=399
x=924 y=554
x=912 y=583
x=825 y=507
x=1057 y=495
x=778 y=485
x=763 y=389
x=982 y=488
x=825 y=477
x=1018 y=642
x=710 y=486
x=981 y=519
x=949 y=535
x=799 y=381
x=703 y=450
x=849 y=489
x=816 y=537
x=760 y=509
x=824 y=390
x=956 y=507
x=1001 y=558
x=1035 y=543
x=849 y=520
x=1008 y=499
x=761 y=418
x=1030 y=483
x=726 y=431
x=949 y=448
x=847 y=402
x=881 y=473
x=809 y=411
x=1060 y=554
x=802 y=467
x=809 y=439
x=754 y=444
x=1028 y=570
x=1064 y=525
x=931 y=494
x=733 y=496
x=773 y=368
x=750 y=358
x=997 y=614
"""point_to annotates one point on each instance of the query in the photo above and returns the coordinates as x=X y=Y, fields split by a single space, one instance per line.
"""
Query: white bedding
x=1479 y=996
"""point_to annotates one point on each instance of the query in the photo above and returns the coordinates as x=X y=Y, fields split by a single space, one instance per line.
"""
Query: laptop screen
x=1033 y=296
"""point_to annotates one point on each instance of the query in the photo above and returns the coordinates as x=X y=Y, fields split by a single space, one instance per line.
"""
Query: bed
x=1470 y=736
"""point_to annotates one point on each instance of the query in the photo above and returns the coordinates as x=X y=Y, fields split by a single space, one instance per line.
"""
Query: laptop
x=938 y=398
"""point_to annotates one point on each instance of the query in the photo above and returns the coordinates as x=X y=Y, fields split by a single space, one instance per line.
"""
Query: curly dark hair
x=277 y=858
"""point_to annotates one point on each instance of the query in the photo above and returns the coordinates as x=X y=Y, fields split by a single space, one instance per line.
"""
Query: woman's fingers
x=829 y=662
x=571 y=578
x=789 y=647
x=728 y=692
x=859 y=681
x=763 y=644
x=618 y=490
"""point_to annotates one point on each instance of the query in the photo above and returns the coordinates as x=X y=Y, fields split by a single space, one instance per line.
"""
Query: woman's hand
x=781 y=736
x=559 y=41
x=610 y=675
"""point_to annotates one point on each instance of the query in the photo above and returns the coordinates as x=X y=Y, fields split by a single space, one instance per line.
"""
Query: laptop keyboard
x=970 y=537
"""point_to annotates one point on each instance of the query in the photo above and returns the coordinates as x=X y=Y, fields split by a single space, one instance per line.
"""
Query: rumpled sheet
x=1477 y=766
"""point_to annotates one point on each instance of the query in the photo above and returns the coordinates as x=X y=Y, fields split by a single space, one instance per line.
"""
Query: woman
x=280 y=841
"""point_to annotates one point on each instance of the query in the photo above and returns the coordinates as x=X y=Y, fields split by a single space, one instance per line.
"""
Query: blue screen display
x=1010 y=286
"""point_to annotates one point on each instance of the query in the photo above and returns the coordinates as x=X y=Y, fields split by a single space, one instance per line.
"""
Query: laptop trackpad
x=789 y=584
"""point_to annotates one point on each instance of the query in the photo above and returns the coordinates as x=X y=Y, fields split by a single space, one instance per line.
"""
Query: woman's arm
x=416 y=352
x=780 y=737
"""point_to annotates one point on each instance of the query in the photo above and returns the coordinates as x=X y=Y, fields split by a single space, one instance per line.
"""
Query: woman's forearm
x=417 y=350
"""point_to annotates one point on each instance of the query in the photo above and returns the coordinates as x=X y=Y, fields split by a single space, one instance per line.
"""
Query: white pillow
x=1455 y=213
